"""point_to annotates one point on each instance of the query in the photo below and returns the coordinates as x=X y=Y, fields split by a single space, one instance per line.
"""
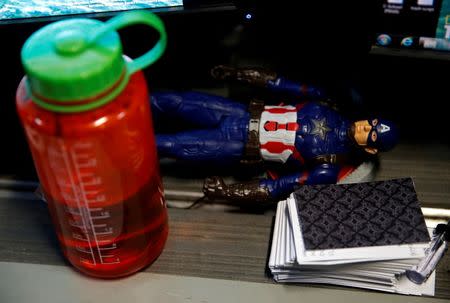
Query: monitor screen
x=419 y=24
x=22 y=10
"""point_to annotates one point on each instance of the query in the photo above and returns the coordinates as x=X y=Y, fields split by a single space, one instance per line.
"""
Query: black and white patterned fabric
x=360 y=214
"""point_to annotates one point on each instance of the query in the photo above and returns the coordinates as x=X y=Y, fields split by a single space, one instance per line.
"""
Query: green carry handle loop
x=133 y=18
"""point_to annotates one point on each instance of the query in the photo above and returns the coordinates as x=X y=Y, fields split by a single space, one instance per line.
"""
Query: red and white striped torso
x=277 y=132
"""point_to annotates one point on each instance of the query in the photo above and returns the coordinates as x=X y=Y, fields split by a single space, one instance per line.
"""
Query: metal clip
x=433 y=254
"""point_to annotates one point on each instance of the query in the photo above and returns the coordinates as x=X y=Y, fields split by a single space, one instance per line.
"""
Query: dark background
x=325 y=43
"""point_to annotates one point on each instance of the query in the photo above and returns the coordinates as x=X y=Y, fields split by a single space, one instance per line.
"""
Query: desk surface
x=202 y=244
x=206 y=250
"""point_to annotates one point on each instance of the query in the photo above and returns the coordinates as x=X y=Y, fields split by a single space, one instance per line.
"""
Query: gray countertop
x=206 y=250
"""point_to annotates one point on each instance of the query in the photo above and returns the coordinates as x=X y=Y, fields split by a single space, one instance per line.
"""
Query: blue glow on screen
x=19 y=9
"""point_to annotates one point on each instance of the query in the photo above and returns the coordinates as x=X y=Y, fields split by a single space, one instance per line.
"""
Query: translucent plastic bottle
x=85 y=111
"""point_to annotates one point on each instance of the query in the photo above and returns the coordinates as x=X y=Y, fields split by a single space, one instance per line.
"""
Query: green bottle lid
x=77 y=64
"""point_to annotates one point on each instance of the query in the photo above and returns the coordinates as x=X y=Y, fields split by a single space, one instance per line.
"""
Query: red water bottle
x=85 y=111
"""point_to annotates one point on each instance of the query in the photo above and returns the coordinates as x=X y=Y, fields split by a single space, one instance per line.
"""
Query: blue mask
x=386 y=134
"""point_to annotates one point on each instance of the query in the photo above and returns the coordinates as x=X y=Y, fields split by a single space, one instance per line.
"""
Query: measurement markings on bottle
x=91 y=185
x=80 y=186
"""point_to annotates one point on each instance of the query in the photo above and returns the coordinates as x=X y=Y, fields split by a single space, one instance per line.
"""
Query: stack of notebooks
x=362 y=235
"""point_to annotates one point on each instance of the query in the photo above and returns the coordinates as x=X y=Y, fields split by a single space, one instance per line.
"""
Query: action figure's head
x=374 y=134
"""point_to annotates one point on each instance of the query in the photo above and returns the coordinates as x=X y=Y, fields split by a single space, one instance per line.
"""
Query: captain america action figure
x=309 y=136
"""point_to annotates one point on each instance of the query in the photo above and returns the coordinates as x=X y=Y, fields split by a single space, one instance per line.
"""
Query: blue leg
x=223 y=144
x=200 y=146
x=196 y=108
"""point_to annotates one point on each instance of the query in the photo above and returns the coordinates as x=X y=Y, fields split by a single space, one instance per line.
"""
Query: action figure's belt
x=252 y=152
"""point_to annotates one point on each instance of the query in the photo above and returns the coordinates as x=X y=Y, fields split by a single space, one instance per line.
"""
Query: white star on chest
x=320 y=128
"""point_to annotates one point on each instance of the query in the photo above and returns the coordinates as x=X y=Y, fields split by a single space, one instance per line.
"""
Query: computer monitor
x=415 y=24
x=25 y=11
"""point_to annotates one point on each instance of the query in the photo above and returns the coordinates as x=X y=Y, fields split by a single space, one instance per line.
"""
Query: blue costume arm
x=262 y=191
x=267 y=79
x=296 y=89
x=283 y=186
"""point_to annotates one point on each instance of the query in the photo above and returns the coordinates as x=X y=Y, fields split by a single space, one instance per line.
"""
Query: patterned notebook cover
x=360 y=214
